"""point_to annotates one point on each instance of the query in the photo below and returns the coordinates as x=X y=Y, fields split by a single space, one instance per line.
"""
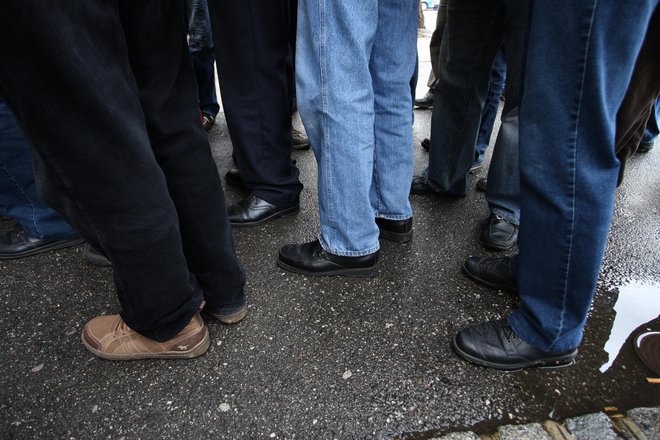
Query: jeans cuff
x=341 y=253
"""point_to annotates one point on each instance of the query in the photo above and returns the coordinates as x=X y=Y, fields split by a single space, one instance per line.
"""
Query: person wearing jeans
x=200 y=43
x=474 y=33
x=574 y=83
x=107 y=96
x=354 y=63
x=38 y=227
x=491 y=105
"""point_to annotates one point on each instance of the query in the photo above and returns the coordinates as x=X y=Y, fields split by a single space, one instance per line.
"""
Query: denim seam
x=34 y=209
x=567 y=270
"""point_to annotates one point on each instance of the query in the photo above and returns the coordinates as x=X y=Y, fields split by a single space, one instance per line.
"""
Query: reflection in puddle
x=638 y=303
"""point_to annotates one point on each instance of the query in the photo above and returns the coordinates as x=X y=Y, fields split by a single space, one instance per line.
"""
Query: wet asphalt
x=321 y=357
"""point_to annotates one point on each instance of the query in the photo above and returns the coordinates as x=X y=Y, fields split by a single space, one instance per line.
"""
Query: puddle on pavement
x=637 y=304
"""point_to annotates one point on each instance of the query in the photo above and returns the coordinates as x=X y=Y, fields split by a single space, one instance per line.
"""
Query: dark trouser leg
x=252 y=46
x=136 y=183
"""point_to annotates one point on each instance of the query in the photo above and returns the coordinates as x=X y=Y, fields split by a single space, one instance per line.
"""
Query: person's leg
x=652 y=127
x=200 y=43
x=503 y=189
x=489 y=112
x=18 y=190
x=251 y=40
x=96 y=164
x=473 y=34
x=392 y=63
x=574 y=84
x=335 y=41
x=434 y=48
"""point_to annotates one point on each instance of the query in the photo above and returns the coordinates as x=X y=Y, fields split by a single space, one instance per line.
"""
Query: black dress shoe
x=499 y=234
x=426 y=144
x=311 y=259
x=644 y=147
x=493 y=272
x=419 y=186
x=233 y=177
x=482 y=184
x=395 y=230
x=254 y=211
x=16 y=243
x=494 y=344
x=299 y=140
x=424 y=102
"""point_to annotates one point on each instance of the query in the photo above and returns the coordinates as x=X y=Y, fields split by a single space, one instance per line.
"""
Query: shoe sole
x=49 y=247
x=195 y=351
x=487 y=283
x=551 y=363
x=232 y=318
x=398 y=237
x=279 y=214
x=361 y=272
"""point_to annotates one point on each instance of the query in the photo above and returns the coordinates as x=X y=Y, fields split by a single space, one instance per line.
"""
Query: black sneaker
x=494 y=344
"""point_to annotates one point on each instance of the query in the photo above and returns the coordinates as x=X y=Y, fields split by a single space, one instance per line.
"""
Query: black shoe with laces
x=492 y=272
x=16 y=243
x=494 y=344
x=311 y=259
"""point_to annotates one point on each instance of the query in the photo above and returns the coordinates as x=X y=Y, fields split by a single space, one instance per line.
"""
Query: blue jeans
x=651 y=132
x=474 y=33
x=200 y=43
x=575 y=81
x=354 y=62
x=18 y=191
x=489 y=112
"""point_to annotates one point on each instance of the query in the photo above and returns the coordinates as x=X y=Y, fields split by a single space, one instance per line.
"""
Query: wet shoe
x=92 y=256
x=208 y=121
x=492 y=272
x=16 y=243
x=426 y=144
x=499 y=234
x=425 y=102
x=482 y=184
x=110 y=338
x=300 y=141
x=254 y=211
x=395 y=230
x=229 y=314
x=311 y=259
x=494 y=344
x=233 y=177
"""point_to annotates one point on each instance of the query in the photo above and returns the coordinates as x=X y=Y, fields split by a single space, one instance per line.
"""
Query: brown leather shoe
x=110 y=338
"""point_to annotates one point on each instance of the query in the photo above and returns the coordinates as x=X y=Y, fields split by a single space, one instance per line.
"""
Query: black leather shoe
x=16 y=243
x=233 y=177
x=499 y=234
x=644 y=147
x=254 y=211
x=419 y=186
x=310 y=259
x=395 y=230
x=482 y=184
x=426 y=144
x=493 y=272
x=424 y=102
x=494 y=344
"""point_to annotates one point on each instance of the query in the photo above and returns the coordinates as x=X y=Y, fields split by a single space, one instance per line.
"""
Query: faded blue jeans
x=574 y=83
x=354 y=62
x=474 y=33
x=18 y=189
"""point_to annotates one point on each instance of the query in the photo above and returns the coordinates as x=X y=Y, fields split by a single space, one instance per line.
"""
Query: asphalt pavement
x=322 y=357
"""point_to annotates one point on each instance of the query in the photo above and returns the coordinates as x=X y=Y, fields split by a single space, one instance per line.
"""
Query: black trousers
x=251 y=40
x=106 y=93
